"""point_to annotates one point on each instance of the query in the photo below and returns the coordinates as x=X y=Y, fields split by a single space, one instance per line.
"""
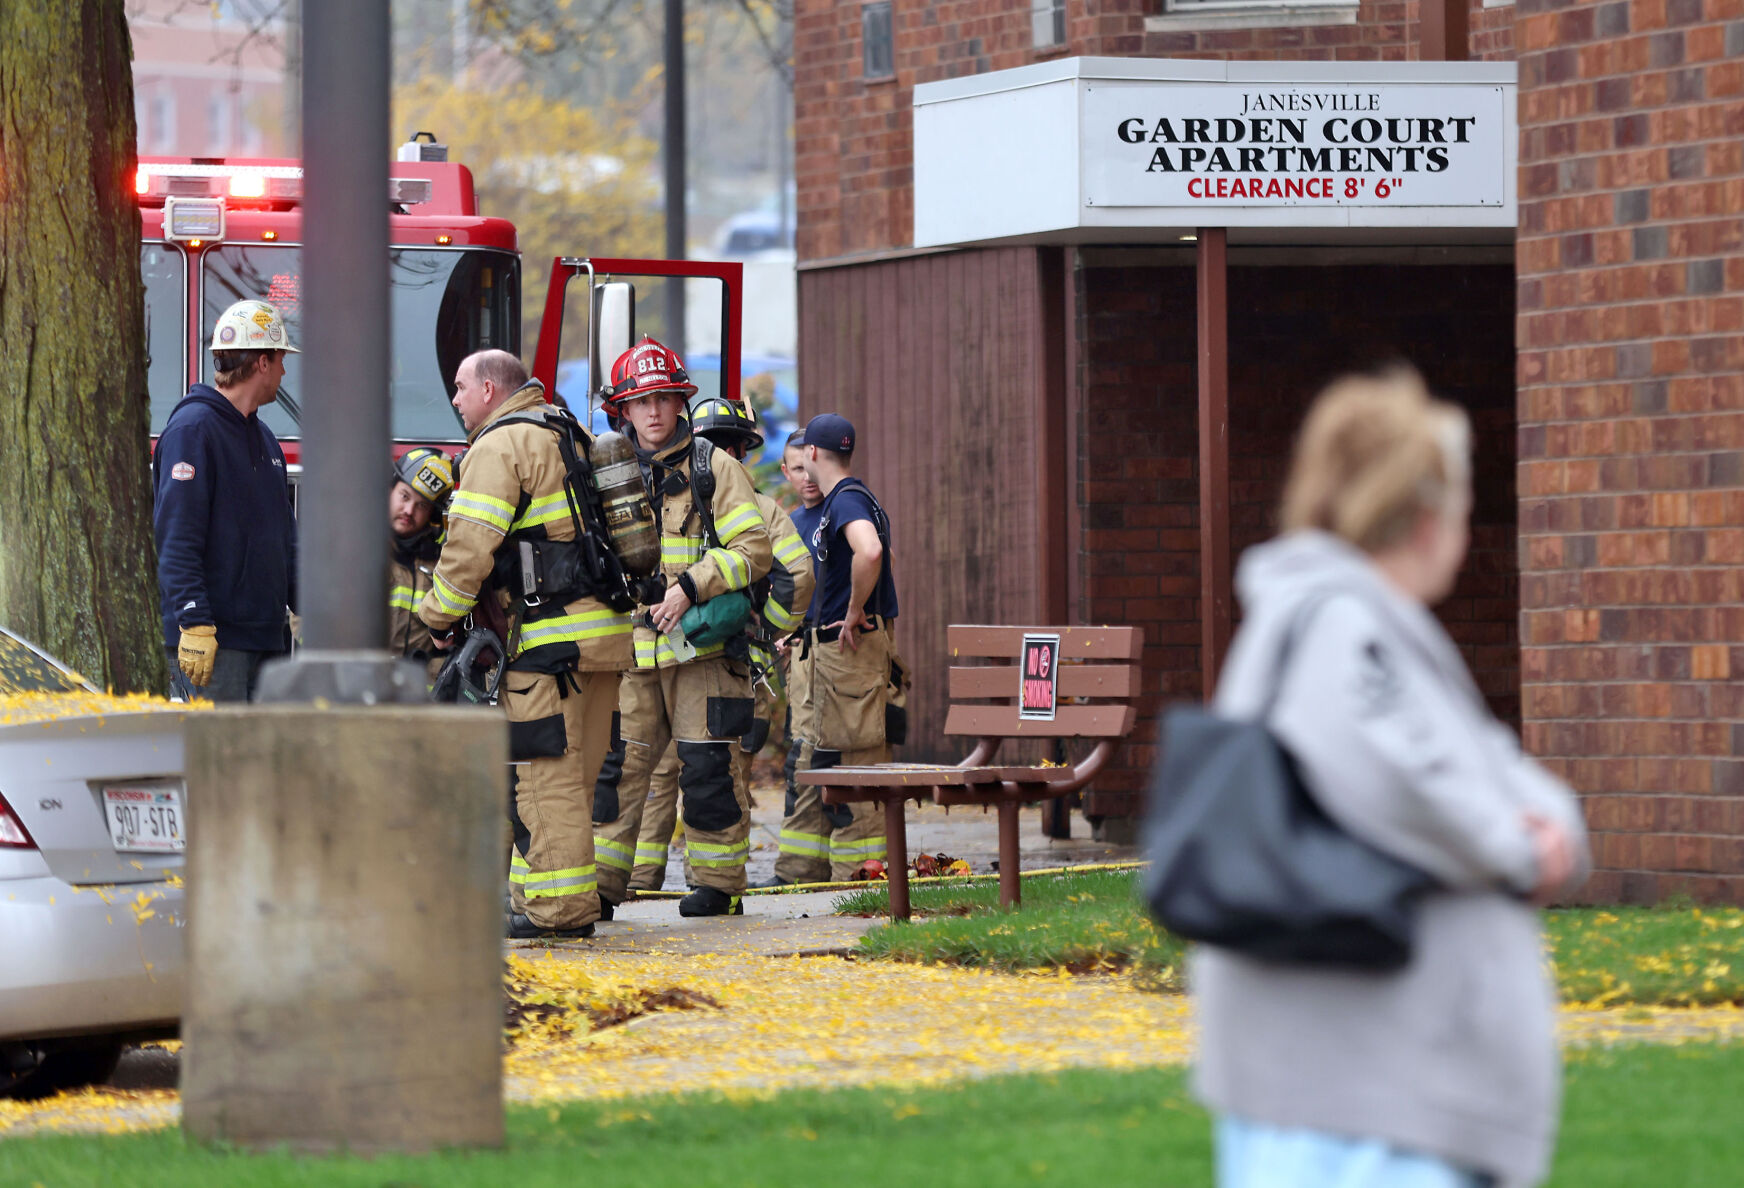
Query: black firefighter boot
x=521 y=928
x=707 y=901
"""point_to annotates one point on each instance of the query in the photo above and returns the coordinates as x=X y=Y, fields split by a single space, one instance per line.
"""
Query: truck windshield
x=164 y=269
x=447 y=303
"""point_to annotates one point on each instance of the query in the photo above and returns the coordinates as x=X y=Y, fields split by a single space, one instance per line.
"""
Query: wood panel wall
x=939 y=362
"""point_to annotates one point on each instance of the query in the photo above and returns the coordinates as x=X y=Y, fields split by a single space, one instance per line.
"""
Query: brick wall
x=1293 y=327
x=853 y=138
x=1631 y=428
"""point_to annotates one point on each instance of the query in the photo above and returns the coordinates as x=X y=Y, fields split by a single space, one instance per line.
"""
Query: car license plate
x=147 y=819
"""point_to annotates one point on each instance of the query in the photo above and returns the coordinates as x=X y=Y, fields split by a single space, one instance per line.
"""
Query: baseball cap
x=828 y=431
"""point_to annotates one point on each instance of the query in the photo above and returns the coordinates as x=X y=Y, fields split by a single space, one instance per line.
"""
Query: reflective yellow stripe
x=651 y=855
x=680 y=550
x=653 y=653
x=573 y=628
x=735 y=570
x=790 y=549
x=452 y=601
x=518 y=868
x=547 y=510
x=575 y=880
x=737 y=522
x=779 y=617
x=613 y=854
x=483 y=509
x=403 y=598
x=709 y=854
x=812 y=845
x=871 y=847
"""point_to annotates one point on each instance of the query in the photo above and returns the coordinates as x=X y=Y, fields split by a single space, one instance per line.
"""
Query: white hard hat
x=251 y=326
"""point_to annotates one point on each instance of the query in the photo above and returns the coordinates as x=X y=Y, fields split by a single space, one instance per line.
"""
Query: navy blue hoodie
x=226 y=541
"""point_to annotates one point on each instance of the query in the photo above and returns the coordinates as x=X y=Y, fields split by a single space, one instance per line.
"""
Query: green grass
x=1634 y=1115
x=1673 y=955
x=1083 y=922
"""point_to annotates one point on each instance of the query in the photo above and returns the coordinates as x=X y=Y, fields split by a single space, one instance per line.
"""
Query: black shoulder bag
x=1242 y=857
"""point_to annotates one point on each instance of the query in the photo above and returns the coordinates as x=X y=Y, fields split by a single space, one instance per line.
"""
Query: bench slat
x=1076 y=643
x=899 y=775
x=1070 y=721
x=1076 y=680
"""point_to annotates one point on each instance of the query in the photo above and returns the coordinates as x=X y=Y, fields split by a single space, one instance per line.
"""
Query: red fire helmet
x=647 y=367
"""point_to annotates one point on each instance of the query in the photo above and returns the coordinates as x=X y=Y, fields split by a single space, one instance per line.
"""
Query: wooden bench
x=1094 y=701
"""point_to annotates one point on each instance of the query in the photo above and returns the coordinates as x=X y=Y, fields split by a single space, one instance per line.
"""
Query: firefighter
x=713 y=547
x=805 y=829
x=422 y=481
x=857 y=686
x=226 y=536
x=732 y=426
x=566 y=645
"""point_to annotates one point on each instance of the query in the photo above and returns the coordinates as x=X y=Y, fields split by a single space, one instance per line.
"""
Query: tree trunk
x=77 y=563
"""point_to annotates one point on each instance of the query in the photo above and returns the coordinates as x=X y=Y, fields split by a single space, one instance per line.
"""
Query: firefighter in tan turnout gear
x=732 y=425
x=684 y=687
x=514 y=527
x=422 y=481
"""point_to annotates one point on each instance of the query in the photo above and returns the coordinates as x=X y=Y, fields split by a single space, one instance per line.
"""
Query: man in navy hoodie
x=226 y=539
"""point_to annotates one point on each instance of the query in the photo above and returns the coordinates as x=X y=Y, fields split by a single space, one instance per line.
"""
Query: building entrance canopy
x=1105 y=150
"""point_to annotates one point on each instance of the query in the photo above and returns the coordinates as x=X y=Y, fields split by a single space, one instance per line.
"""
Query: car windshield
x=25 y=670
x=447 y=303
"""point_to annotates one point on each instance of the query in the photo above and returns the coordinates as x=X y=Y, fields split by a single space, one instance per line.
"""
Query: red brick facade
x=1604 y=605
x=1631 y=410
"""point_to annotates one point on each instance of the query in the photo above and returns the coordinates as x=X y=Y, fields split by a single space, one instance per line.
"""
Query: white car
x=92 y=830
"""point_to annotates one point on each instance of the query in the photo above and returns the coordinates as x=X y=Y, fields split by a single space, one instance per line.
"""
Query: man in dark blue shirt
x=226 y=540
x=857 y=684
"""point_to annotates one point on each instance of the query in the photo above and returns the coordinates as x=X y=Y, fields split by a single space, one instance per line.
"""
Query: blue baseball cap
x=828 y=431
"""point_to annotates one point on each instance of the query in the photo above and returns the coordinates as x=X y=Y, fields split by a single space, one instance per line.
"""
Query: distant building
x=208 y=79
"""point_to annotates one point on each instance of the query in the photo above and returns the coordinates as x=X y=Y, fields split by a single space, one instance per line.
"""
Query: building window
x=218 y=108
x=877 y=41
x=1047 y=20
x=163 y=119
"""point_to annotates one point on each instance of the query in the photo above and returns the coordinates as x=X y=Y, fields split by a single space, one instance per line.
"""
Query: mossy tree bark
x=77 y=564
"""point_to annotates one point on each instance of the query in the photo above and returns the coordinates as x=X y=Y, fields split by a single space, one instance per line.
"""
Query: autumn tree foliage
x=77 y=572
x=573 y=181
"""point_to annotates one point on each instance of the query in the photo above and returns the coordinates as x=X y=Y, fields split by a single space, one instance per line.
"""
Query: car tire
x=65 y=1068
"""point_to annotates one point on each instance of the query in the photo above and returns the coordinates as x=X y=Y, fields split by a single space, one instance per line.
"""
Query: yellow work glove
x=196 y=652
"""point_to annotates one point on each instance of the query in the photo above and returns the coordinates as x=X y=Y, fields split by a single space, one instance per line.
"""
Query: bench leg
x=896 y=855
x=1010 y=885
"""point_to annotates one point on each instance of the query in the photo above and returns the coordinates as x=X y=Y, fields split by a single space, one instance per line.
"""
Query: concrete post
x=344 y=882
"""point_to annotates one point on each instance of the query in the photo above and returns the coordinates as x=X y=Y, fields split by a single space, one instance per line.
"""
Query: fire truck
x=216 y=231
x=219 y=230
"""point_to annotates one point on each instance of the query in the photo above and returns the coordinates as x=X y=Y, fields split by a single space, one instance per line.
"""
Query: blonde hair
x=1376 y=452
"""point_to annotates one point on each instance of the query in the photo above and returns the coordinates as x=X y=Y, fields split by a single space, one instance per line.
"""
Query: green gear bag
x=719 y=619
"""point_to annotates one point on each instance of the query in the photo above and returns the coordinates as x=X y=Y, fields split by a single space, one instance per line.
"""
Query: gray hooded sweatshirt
x=1455 y=1055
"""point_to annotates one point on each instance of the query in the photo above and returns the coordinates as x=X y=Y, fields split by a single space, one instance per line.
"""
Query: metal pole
x=342 y=534
x=673 y=150
x=1214 y=561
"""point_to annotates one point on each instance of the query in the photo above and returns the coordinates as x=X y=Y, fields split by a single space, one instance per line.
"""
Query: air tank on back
x=629 y=516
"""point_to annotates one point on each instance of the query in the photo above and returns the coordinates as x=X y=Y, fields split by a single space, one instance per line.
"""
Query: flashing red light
x=141 y=182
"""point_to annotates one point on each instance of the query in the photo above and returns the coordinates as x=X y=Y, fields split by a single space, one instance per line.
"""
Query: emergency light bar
x=282 y=183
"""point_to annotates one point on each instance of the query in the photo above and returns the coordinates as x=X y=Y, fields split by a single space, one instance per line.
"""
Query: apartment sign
x=1229 y=144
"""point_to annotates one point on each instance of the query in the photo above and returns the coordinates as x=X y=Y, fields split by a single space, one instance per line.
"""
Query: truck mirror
x=614 y=327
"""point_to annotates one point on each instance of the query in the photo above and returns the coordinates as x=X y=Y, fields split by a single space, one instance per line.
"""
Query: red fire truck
x=217 y=231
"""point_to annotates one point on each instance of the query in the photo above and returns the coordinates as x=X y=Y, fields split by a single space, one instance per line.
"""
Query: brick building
x=1029 y=400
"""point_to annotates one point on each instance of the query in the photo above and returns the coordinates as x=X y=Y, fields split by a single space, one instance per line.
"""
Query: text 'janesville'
x=1266 y=144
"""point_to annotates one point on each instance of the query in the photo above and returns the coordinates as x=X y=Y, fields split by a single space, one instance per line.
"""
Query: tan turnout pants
x=848 y=708
x=702 y=709
x=560 y=729
x=660 y=811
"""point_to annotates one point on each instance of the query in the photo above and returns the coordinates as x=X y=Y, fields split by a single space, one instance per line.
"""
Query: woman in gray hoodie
x=1445 y=1073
